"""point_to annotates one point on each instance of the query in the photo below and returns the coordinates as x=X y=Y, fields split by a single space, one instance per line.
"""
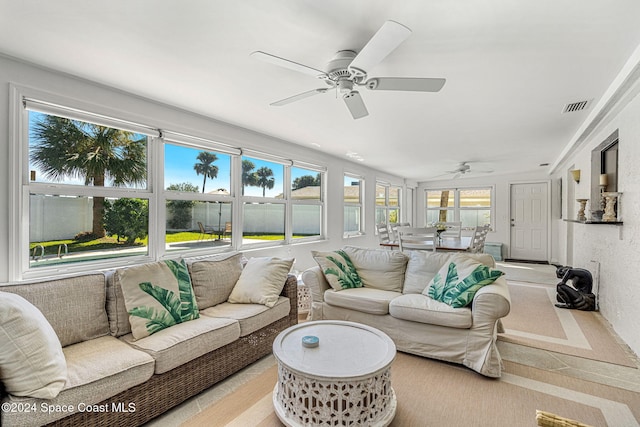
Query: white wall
x=161 y=116
x=616 y=248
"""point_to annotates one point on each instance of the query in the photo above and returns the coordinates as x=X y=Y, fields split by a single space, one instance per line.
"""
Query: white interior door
x=529 y=221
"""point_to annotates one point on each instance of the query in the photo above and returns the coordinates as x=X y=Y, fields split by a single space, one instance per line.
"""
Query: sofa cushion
x=457 y=282
x=59 y=301
x=261 y=281
x=421 y=268
x=213 y=278
x=421 y=308
x=338 y=269
x=367 y=300
x=97 y=369
x=157 y=295
x=250 y=316
x=181 y=343
x=31 y=360
x=379 y=268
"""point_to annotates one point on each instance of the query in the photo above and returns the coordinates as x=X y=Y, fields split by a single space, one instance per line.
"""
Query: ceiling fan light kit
x=348 y=69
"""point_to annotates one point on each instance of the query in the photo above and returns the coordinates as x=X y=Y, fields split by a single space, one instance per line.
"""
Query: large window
x=353 y=195
x=387 y=203
x=264 y=201
x=306 y=202
x=88 y=191
x=198 y=202
x=472 y=206
x=92 y=191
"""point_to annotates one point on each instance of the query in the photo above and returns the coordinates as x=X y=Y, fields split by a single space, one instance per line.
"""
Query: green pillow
x=157 y=295
x=338 y=269
x=457 y=282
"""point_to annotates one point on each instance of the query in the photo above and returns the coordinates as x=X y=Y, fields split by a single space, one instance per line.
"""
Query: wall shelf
x=595 y=222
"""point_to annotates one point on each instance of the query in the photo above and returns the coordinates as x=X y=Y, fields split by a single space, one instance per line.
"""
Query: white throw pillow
x=261 y=281
x=379 y=268
x=421 y=268
x=32 y=363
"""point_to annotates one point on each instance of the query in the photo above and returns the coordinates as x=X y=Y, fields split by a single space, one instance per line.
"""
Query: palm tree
x=66 y=148
x=206 y=166
x=264 y=179
x=248 y=177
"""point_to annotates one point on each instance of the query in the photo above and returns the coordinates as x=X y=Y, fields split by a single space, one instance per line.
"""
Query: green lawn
x=51 y=247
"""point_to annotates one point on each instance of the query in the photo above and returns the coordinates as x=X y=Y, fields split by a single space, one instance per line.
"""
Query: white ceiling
x=511 y=67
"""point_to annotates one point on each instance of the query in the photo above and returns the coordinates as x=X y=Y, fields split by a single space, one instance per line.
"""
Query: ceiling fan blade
x=415 y=84
x=355 y=104
x=458 y=175
x=267 y=57
x=383 y=42
x=298 y=97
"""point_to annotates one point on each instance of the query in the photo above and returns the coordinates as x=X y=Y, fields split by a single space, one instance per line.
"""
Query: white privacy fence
x=60 y=218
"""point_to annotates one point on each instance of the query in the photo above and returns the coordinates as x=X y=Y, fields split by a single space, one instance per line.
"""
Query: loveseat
x=96 y=372
x=389 y=290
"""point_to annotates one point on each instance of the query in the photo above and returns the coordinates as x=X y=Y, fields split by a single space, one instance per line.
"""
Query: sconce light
x=576 y=175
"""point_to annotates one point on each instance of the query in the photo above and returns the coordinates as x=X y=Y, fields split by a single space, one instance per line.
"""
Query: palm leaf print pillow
x=457 y=282
x=157 y=295
x=338 y=269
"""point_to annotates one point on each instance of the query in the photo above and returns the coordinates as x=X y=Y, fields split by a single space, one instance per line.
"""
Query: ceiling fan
x=464 y=168
x=348 y=70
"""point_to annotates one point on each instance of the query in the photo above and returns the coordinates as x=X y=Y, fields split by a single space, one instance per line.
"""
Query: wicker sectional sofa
x=115 y=380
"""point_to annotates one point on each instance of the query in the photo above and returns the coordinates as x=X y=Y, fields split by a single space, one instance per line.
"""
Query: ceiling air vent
x=575 y=106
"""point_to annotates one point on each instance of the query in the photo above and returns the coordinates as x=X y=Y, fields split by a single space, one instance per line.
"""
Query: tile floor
x=600 y=372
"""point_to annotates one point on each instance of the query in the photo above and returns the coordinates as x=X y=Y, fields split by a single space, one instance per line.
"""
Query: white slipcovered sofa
x=393 y=297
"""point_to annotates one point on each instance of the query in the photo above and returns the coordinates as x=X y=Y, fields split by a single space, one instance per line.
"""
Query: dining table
x=460 y=244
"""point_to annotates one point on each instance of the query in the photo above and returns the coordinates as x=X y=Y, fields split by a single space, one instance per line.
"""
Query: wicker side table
x=345 y=380
x=304 y=298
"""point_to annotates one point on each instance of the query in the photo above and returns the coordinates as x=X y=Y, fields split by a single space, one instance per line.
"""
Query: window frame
x=360 y=205
x=20 y=187
x=23 y=101
x=387 y=207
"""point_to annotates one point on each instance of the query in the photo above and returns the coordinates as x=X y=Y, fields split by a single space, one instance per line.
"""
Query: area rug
x=534 y=321
x=432 y=393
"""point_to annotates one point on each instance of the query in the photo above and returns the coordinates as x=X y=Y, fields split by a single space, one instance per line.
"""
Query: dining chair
x=418 y=238
x=478 y=239
x=453 y=229
x=393 y=235
x=383 y=233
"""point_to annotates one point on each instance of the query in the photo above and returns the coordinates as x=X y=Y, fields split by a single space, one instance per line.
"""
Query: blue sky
x=179 y=168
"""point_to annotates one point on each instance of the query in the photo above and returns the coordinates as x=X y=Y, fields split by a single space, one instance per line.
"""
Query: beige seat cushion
x=367 y=300
x=58 y=300
x=97 y=369
x=213 y=278
x=31 y=360
x=421 y=308
x=181 y=343
x=379 y=268
x=251 y=316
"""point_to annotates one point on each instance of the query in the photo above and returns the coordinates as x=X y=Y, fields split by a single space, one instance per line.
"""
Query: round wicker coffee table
x=345 y=380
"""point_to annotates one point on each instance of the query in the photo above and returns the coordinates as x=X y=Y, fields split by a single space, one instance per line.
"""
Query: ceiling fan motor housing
x=338 y=68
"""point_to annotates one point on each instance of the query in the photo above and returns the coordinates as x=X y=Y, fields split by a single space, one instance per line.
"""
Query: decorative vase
x=583 y=205
x=609 y=211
